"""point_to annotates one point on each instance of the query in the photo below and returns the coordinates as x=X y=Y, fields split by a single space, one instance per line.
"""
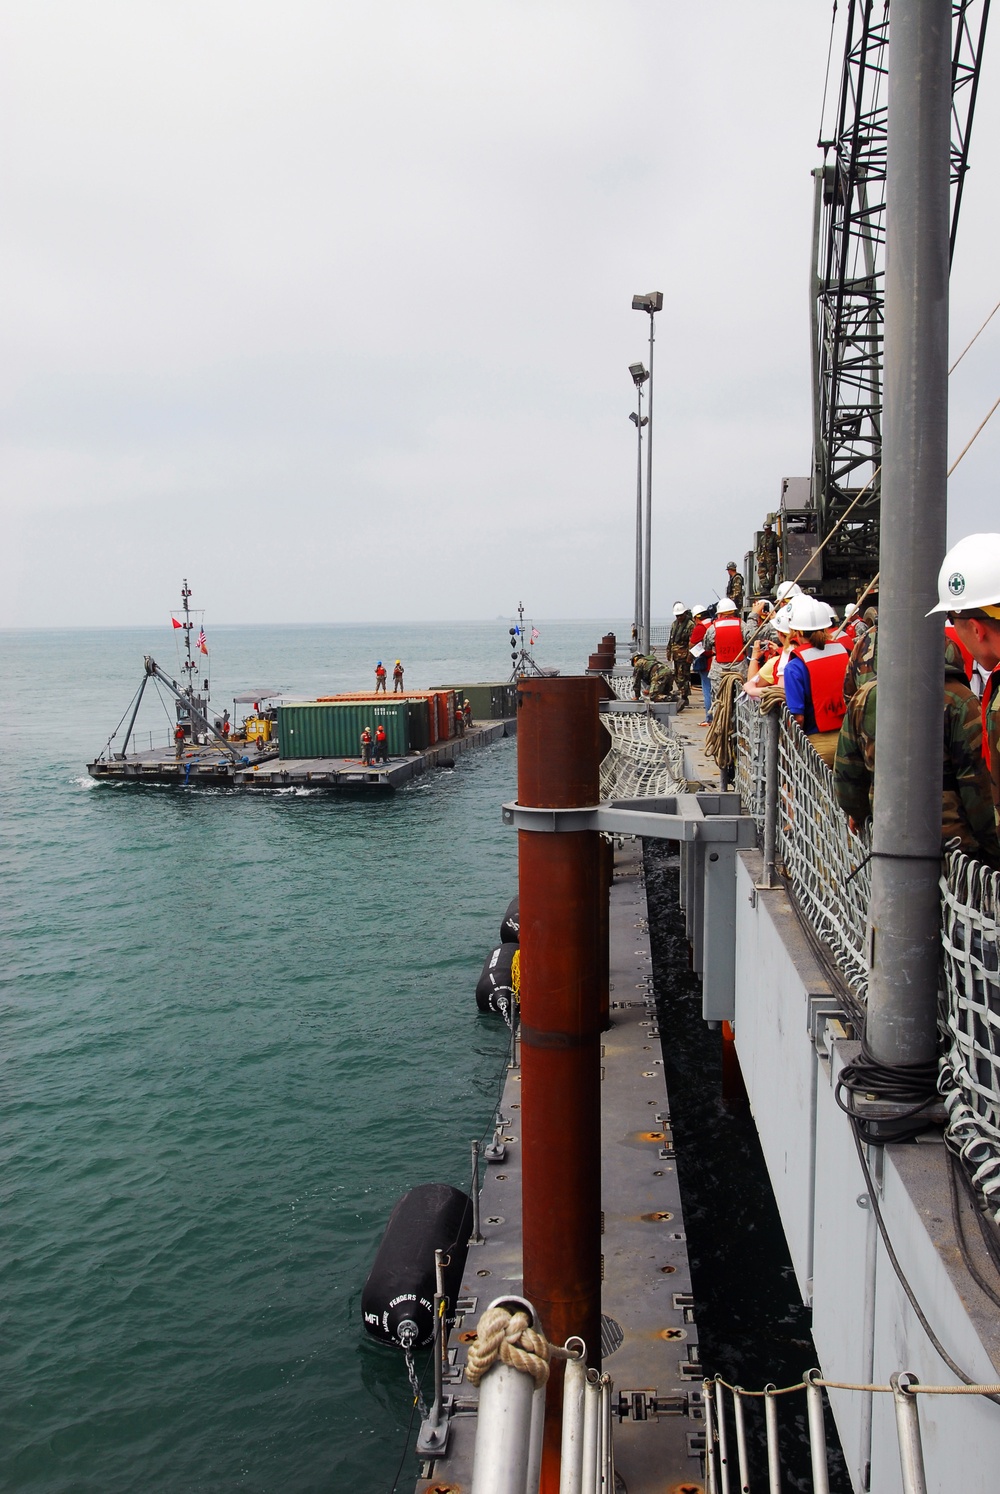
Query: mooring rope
x=507 y=1336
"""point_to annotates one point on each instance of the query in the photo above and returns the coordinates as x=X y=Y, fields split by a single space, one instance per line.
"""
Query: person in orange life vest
x=814 y=677
x=381 y=744
x=467 y=713
x=969 y=595
x=459 y=719
x=179 y=740
x=727 y=638
x=366 y=746
x=968 y=663
x=397 y=678
x=225 y=724
x=380 y=677
x=847 y=633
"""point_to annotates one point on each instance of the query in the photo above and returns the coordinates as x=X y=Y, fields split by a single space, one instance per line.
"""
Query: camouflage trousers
x=681 y=657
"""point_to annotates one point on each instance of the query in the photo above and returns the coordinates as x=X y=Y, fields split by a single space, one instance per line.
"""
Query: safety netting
x=969 y=1077
x=622 y=684
x=645 y=761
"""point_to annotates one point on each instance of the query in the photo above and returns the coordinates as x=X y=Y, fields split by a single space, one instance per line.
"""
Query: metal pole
x=605 y=1482
x=817 y=1436
x=432 y=1439
x=741 y=1444
x=720 y=1418
x=131 y=724
x=772 y=748
x=906 y=840
x=536 y=1439
x=649 y=499
x=911 y=1455
x=816 y=486
x=591 y=1430
x=710 y=1478
x=476 y=1238
x=638 y=519
x=559 y=884
x=574 y=1385
x=773 y=1446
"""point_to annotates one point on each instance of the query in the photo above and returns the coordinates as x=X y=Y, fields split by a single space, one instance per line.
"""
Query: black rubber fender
x=510 y=929
x=495 y=987
x=400 y=1284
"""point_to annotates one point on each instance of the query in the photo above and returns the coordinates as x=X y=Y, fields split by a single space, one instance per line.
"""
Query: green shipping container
x=489 y=701
x=333 y=728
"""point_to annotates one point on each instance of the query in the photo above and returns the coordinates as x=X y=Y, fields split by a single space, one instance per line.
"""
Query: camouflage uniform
x=991 y=741
x=862 y=666
x=966 y=800
x=767 y=559
x=679 y=650
x=642 y=670
x=661 y=681
x=734 y=589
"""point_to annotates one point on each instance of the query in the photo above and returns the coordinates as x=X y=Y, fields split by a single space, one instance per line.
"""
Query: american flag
x=203 y=642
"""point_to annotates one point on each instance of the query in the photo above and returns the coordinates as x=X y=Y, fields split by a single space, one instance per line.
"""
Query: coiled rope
x=720 y=739
x=508 y=1337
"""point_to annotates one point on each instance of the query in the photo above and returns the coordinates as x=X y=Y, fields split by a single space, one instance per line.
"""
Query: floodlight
x=639 y=373
x=651 y=301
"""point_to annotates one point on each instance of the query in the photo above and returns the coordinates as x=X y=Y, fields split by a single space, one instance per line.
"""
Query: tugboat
x=203 y=748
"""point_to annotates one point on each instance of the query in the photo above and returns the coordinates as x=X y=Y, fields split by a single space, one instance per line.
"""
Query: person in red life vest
x=467 y=713
x=726 y=639
x=381 y=744
x=366 y=746
x=968 y=663
x=701 y=661
x=814 y=677
x=768 y=660
x=225 y=724
x=459 y=719
x=179 y=739
x=397 y=678
x=380 y=677
x=969 y=596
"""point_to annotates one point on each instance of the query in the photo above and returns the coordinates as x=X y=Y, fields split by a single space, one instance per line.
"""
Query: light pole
x=639 y=377
x=652 y=302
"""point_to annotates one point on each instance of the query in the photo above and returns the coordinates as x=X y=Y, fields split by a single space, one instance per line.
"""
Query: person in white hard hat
x=969 y=596
x=727 y=638
x=679 y=652
x=701 y=657
x=769 y=660
x=786 y=591
x=814 y=676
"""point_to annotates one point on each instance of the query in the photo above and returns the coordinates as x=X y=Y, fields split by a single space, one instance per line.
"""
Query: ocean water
x=232 y=1031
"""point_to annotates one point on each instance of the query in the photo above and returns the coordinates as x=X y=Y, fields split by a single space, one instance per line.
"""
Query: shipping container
x=490 y=701
x=430 y=731
x=333 y=728
x=445 y=714
x=418 y=715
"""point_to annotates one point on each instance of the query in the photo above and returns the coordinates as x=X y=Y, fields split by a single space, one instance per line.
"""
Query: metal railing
x=727 y=1406
x=825 y=862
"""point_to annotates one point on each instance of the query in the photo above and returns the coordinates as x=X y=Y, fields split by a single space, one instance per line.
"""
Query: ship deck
x=650 y=1341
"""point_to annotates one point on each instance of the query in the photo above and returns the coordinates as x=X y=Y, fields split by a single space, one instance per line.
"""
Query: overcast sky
x=327 y=306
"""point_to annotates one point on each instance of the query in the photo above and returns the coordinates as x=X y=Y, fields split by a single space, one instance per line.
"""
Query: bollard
x=911 y=1454
x=772 y=731
x=559 y=889
x=574 y=1385
x=817 y=1434
x=476 y=1237
x=504 y=1422
x=773 y=1448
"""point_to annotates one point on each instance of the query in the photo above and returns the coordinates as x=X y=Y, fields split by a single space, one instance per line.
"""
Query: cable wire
x=972 y=340
x=826 y=81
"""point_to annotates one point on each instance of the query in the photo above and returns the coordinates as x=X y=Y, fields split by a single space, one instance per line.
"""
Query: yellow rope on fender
x=507 y=1337
x=515 y=974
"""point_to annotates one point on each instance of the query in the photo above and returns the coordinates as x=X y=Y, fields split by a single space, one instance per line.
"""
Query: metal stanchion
x=476 y=1237
x=536 y=1438
x=591 y=1430
x=710 y=1478
x=720 y=1417
x=574 y=1386
x=606 y=1476
x=741 y=1442
x=817 y=1435
x=432 y=1439
x=772 y=736
x=505 y=1421
x=911 y=1454
x=773 y=1449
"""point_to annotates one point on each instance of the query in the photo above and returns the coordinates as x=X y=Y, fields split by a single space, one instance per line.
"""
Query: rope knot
x=507 y=1336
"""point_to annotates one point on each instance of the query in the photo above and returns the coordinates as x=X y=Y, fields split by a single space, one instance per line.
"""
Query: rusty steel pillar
x=606 y=852
x=560 y=884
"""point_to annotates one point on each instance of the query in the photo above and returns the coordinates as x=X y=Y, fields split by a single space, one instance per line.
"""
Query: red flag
x=176 y=623
x=203 y=642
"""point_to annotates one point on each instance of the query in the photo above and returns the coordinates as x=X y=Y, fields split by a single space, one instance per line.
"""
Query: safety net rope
x=645 y=761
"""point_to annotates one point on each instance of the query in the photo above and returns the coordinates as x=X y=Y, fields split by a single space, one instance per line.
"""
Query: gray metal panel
x=718 y=998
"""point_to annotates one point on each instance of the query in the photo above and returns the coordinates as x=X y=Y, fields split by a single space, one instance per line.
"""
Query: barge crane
x=830 y=520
